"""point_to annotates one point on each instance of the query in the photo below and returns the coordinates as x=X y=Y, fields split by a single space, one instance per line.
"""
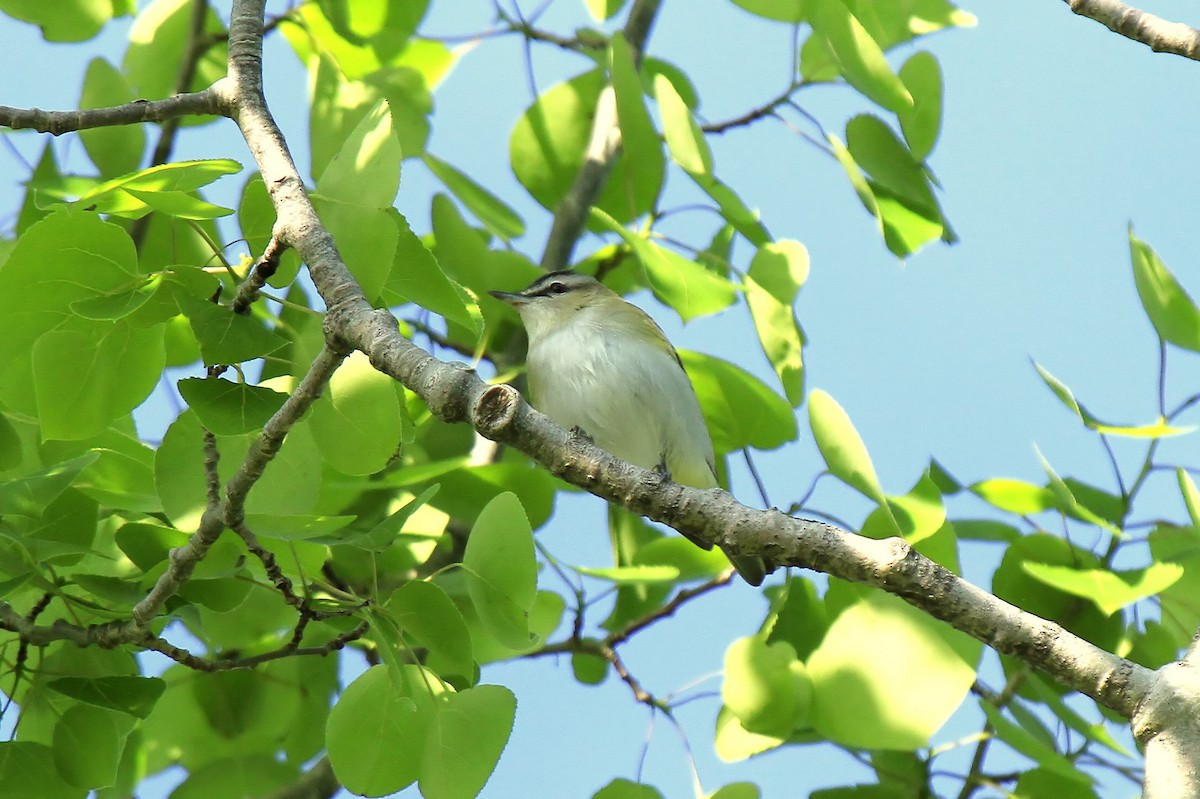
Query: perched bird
x=602 y=365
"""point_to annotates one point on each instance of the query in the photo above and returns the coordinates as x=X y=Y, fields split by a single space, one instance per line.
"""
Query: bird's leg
x=579 y=432
x=662 y=469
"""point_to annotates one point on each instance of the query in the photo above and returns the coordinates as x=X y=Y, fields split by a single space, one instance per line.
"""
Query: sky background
x=1057 y=135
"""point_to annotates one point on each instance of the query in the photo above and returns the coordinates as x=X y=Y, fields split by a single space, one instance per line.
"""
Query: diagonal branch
x=1160 y=35
x=207 y=102
x=604 y=145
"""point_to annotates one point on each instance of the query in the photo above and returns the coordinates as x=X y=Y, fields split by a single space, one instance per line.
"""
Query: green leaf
x=621 y=788
x=1191 y=496
x=366 y=171
x=547 y=146
x=1012 y=583
x=889 y=162
x=737 y=790
x=765 y=686
x=117 y=149
x=366 y=240
x=798 y=616
x=781 y=10
x=127 y=195
x=1013 y=496
x=1168 y=307
x=417 y=277
x=1158 y=429
x=466 y=737
x=290 y=487
x=226 y=337
x=640 y=142
x=603 y=9
x=777 y=272
x=676 y=281
x=84 y=382
x=887 y=676
x=1028 y=745
x=230 y=700
x=375 y=735
x=158 y=44
x=732 y=742
x=1049 y=782
x=68 y=21
x=739 y=409
x=256 y=774
x=1065 y=499
x=859 y=56
x=283 y=527
x=501 y=570
x=842 y=448
x=589 y=669
x=685 y=140
x=228 y=408
x=66 y=257
x=487 y=207
x=736 y=212
x=1109 y=590
x=147 y=545
x=178 y=204
x=133 y=695
x=426 y=612
x=356 y=422
x=631 y=575
x=87 y=746
x=28 y=769
x=922 y=124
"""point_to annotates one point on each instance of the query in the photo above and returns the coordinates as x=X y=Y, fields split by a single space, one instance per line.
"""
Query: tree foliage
x=316 y=500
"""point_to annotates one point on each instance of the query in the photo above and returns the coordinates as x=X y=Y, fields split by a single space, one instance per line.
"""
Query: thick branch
x=456 y=394
x=1160 y=35
x=604 y=145
x=209 y=101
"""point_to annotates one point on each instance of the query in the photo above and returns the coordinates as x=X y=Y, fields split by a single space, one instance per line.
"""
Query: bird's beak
x=510 y=298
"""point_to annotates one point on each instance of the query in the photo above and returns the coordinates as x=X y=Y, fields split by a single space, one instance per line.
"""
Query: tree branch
x=56 y=123
x=1160 y=35
x=455 y=394
x=604 y=145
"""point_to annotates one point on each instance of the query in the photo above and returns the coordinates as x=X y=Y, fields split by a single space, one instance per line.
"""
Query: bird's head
x=554 y=299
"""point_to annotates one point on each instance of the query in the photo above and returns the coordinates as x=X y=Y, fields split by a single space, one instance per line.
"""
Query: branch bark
x=56 y=123
x=455 y=394
x=1160 y=35
x=604 y=145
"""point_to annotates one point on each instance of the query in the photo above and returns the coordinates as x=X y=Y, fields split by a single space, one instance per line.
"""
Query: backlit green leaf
x=842 y=448
x=639 y=139
x=676 y=281
x=228 y=408
x=487 y=207
x=116 y=149
x=685 y=141
x=859 y=56
x=1169 y=308
x=777 y=272
x=366 y=171
x=466 y=736
x=1110 y=590
x=887 y=676
x=501 y=570
x=922 y=124
x=740 y=410
x=375 y=736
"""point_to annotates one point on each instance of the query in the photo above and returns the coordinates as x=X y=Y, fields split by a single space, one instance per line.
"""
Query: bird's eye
x=556 y=288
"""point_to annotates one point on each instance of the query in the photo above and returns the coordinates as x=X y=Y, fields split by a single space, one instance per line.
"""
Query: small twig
x=753 y=115
x=658 y=614
x=250 y=289
x=56 y=123
x=290 y=649
x=212 y=457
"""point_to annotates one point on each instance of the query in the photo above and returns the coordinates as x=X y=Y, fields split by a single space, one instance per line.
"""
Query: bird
x=603 y=366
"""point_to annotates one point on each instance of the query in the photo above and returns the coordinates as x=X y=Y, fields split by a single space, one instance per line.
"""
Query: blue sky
x=1057 y=136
